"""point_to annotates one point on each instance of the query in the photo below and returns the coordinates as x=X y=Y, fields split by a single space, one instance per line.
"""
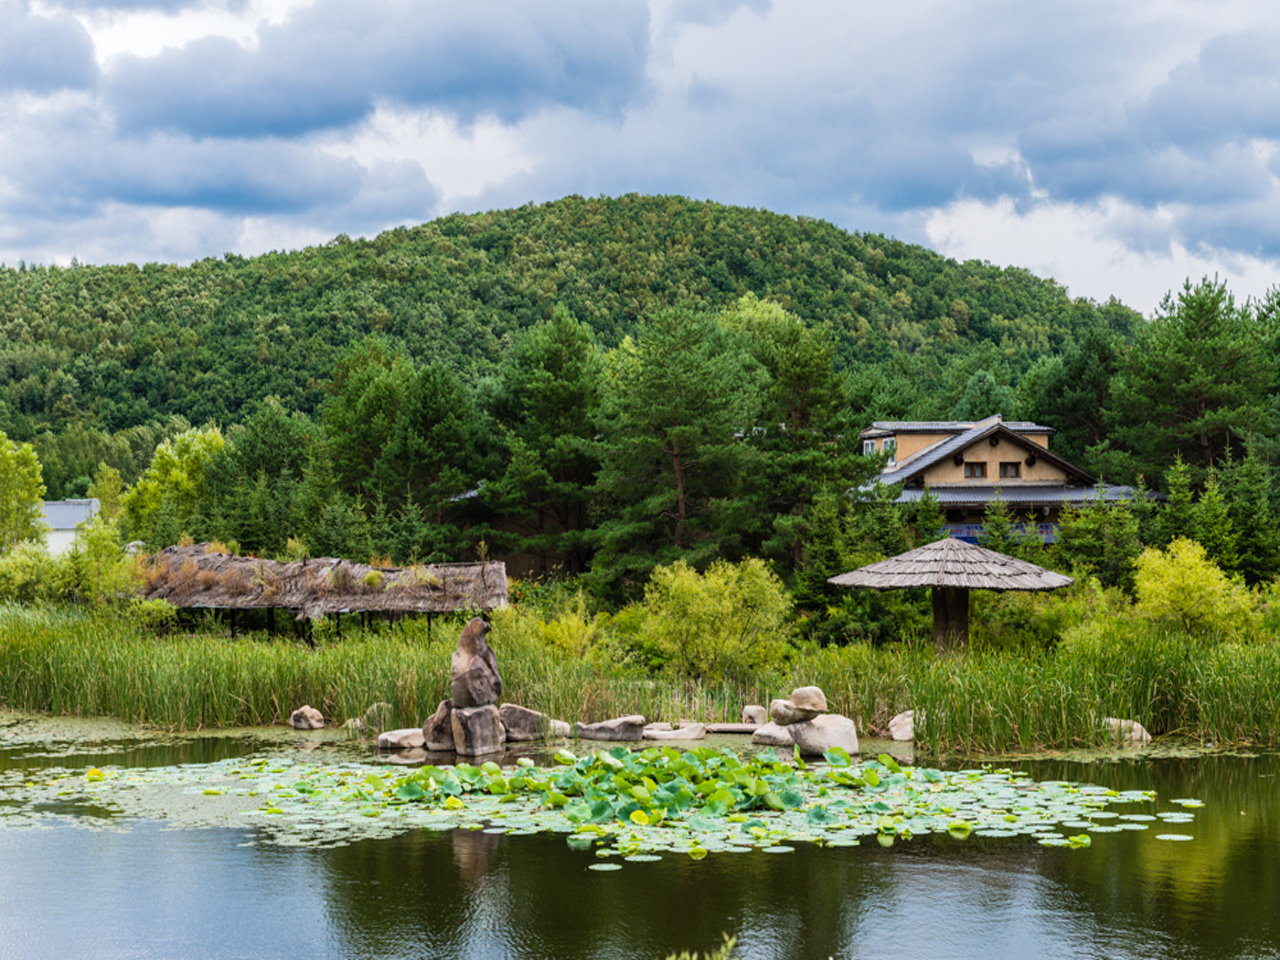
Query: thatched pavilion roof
x=193 y=576
x=952 y=563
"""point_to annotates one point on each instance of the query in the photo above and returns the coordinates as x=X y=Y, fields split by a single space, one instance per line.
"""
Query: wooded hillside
x=120 y=346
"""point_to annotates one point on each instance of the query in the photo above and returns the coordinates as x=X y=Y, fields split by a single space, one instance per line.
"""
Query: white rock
x=693 y=731
x=772 y=735
x=378 y=716
x=815 y=737
x=658 y=725
x=306 y=718
x=785 y=712
x=401 y=739
x=619 y=728
x=754 y=713
x=1126 y=731
x=561 y=728
x=810 y=698
x=903 y=726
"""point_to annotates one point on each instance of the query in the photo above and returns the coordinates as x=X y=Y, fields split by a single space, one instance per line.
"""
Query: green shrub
x=28 y=575
x=1182 y=586
x=728 y=622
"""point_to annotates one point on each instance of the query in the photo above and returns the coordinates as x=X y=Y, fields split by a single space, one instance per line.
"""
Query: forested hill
x=117 y=346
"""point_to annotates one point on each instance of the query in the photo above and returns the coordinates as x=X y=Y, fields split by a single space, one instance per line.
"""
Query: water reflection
x=137 y=889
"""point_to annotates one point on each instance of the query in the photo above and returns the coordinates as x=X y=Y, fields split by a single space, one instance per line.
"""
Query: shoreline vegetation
x=65 y=661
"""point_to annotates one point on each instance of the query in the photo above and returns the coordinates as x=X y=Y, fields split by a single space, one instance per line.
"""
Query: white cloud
x=461 y=161
x=1078 y=246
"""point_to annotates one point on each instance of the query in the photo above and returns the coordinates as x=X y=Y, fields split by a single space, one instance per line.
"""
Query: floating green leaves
x=632 y=805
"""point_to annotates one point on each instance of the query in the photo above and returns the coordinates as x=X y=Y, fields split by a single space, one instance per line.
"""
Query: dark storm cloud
x=41 y=54
x=329 y=64
x=259 y=177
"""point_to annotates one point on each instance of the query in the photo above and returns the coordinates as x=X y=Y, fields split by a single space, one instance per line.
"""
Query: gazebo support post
x=950 y=618
x=271 y=622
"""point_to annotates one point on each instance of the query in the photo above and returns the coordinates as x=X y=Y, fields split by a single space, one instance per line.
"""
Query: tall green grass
x=68 y=662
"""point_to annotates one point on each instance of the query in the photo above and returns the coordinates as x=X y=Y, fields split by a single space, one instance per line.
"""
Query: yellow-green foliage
x=28 y=575
x=176 y=474
x=1182 y=585
x=572 y=629
x=373 y=581
x=21 y=490
x=728 y=622
x=723 y=953
x=100 y=571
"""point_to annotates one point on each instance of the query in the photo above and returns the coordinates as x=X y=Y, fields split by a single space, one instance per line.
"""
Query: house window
x=975 y=471
x=890 y=446
x=868 y=448
x=1009 y=470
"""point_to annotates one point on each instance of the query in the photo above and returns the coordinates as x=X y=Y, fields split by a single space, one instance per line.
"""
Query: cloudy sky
x=1116 y=146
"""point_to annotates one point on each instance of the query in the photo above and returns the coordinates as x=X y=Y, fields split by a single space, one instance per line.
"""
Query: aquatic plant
x=615 y=803
x=986 y=702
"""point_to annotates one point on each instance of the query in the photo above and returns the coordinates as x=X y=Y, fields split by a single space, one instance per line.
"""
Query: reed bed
x=65 y=662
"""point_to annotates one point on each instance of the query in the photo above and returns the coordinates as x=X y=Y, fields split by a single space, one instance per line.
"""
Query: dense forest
x=601 y=386
x=120 y=346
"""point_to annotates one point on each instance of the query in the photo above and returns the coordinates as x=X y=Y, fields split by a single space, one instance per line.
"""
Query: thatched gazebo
x=198 y=577
x=951 y=568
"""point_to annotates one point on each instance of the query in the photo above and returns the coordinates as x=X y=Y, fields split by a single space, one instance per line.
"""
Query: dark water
x=142 y=890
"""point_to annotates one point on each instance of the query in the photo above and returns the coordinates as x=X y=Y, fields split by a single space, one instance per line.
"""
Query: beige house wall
x=910 y=444
x=982 y=452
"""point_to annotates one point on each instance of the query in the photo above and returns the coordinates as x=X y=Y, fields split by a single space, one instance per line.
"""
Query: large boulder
x=437 y=732
x=785 y=712
x=619 y=728
x=809 y=698
x=772 y=735
x=815 y=737
x=306 y=718
x=561 y=728
x=692 y=731
x=477 y=730
x=473 y=673
x=521 y=723
x=903 y=726
x=402 y=739
x=754 y=713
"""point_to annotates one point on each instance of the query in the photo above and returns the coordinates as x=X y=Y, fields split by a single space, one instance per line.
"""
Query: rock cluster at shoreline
x=802 y=721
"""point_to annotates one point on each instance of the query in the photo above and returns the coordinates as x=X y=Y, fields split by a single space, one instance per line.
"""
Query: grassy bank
x=986 y=702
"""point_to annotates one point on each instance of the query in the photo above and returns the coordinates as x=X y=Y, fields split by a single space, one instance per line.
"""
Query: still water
x=82 y=882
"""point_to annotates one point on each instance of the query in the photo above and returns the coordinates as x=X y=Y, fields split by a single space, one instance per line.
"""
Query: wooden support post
x=950 y=619
x=233 y=623
x=271 y=622
x=338 y=618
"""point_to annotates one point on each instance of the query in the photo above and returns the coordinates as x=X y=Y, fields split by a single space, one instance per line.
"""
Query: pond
x=80 y=879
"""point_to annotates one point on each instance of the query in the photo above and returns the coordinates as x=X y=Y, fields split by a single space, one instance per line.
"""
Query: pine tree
x=998 y=533
x=1248 y=493
x=1102 y=538
x=1212 y=527
x=824 y=550
x=930 y=520
x=671 y=453
x=1177 y=518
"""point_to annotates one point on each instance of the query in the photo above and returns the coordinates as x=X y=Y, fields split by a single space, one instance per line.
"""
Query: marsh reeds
x=68 y=662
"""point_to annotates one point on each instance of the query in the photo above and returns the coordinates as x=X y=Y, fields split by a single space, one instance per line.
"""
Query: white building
x=63 y=516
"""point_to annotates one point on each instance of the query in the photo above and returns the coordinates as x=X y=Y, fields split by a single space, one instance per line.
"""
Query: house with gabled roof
x=964 y=464
x=63 y=519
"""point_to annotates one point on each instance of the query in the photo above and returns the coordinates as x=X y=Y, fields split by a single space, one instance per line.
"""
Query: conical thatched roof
x=952 y=563
x=192 y=576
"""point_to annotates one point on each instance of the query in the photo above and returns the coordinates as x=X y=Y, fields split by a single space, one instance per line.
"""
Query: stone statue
x=474 y=673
